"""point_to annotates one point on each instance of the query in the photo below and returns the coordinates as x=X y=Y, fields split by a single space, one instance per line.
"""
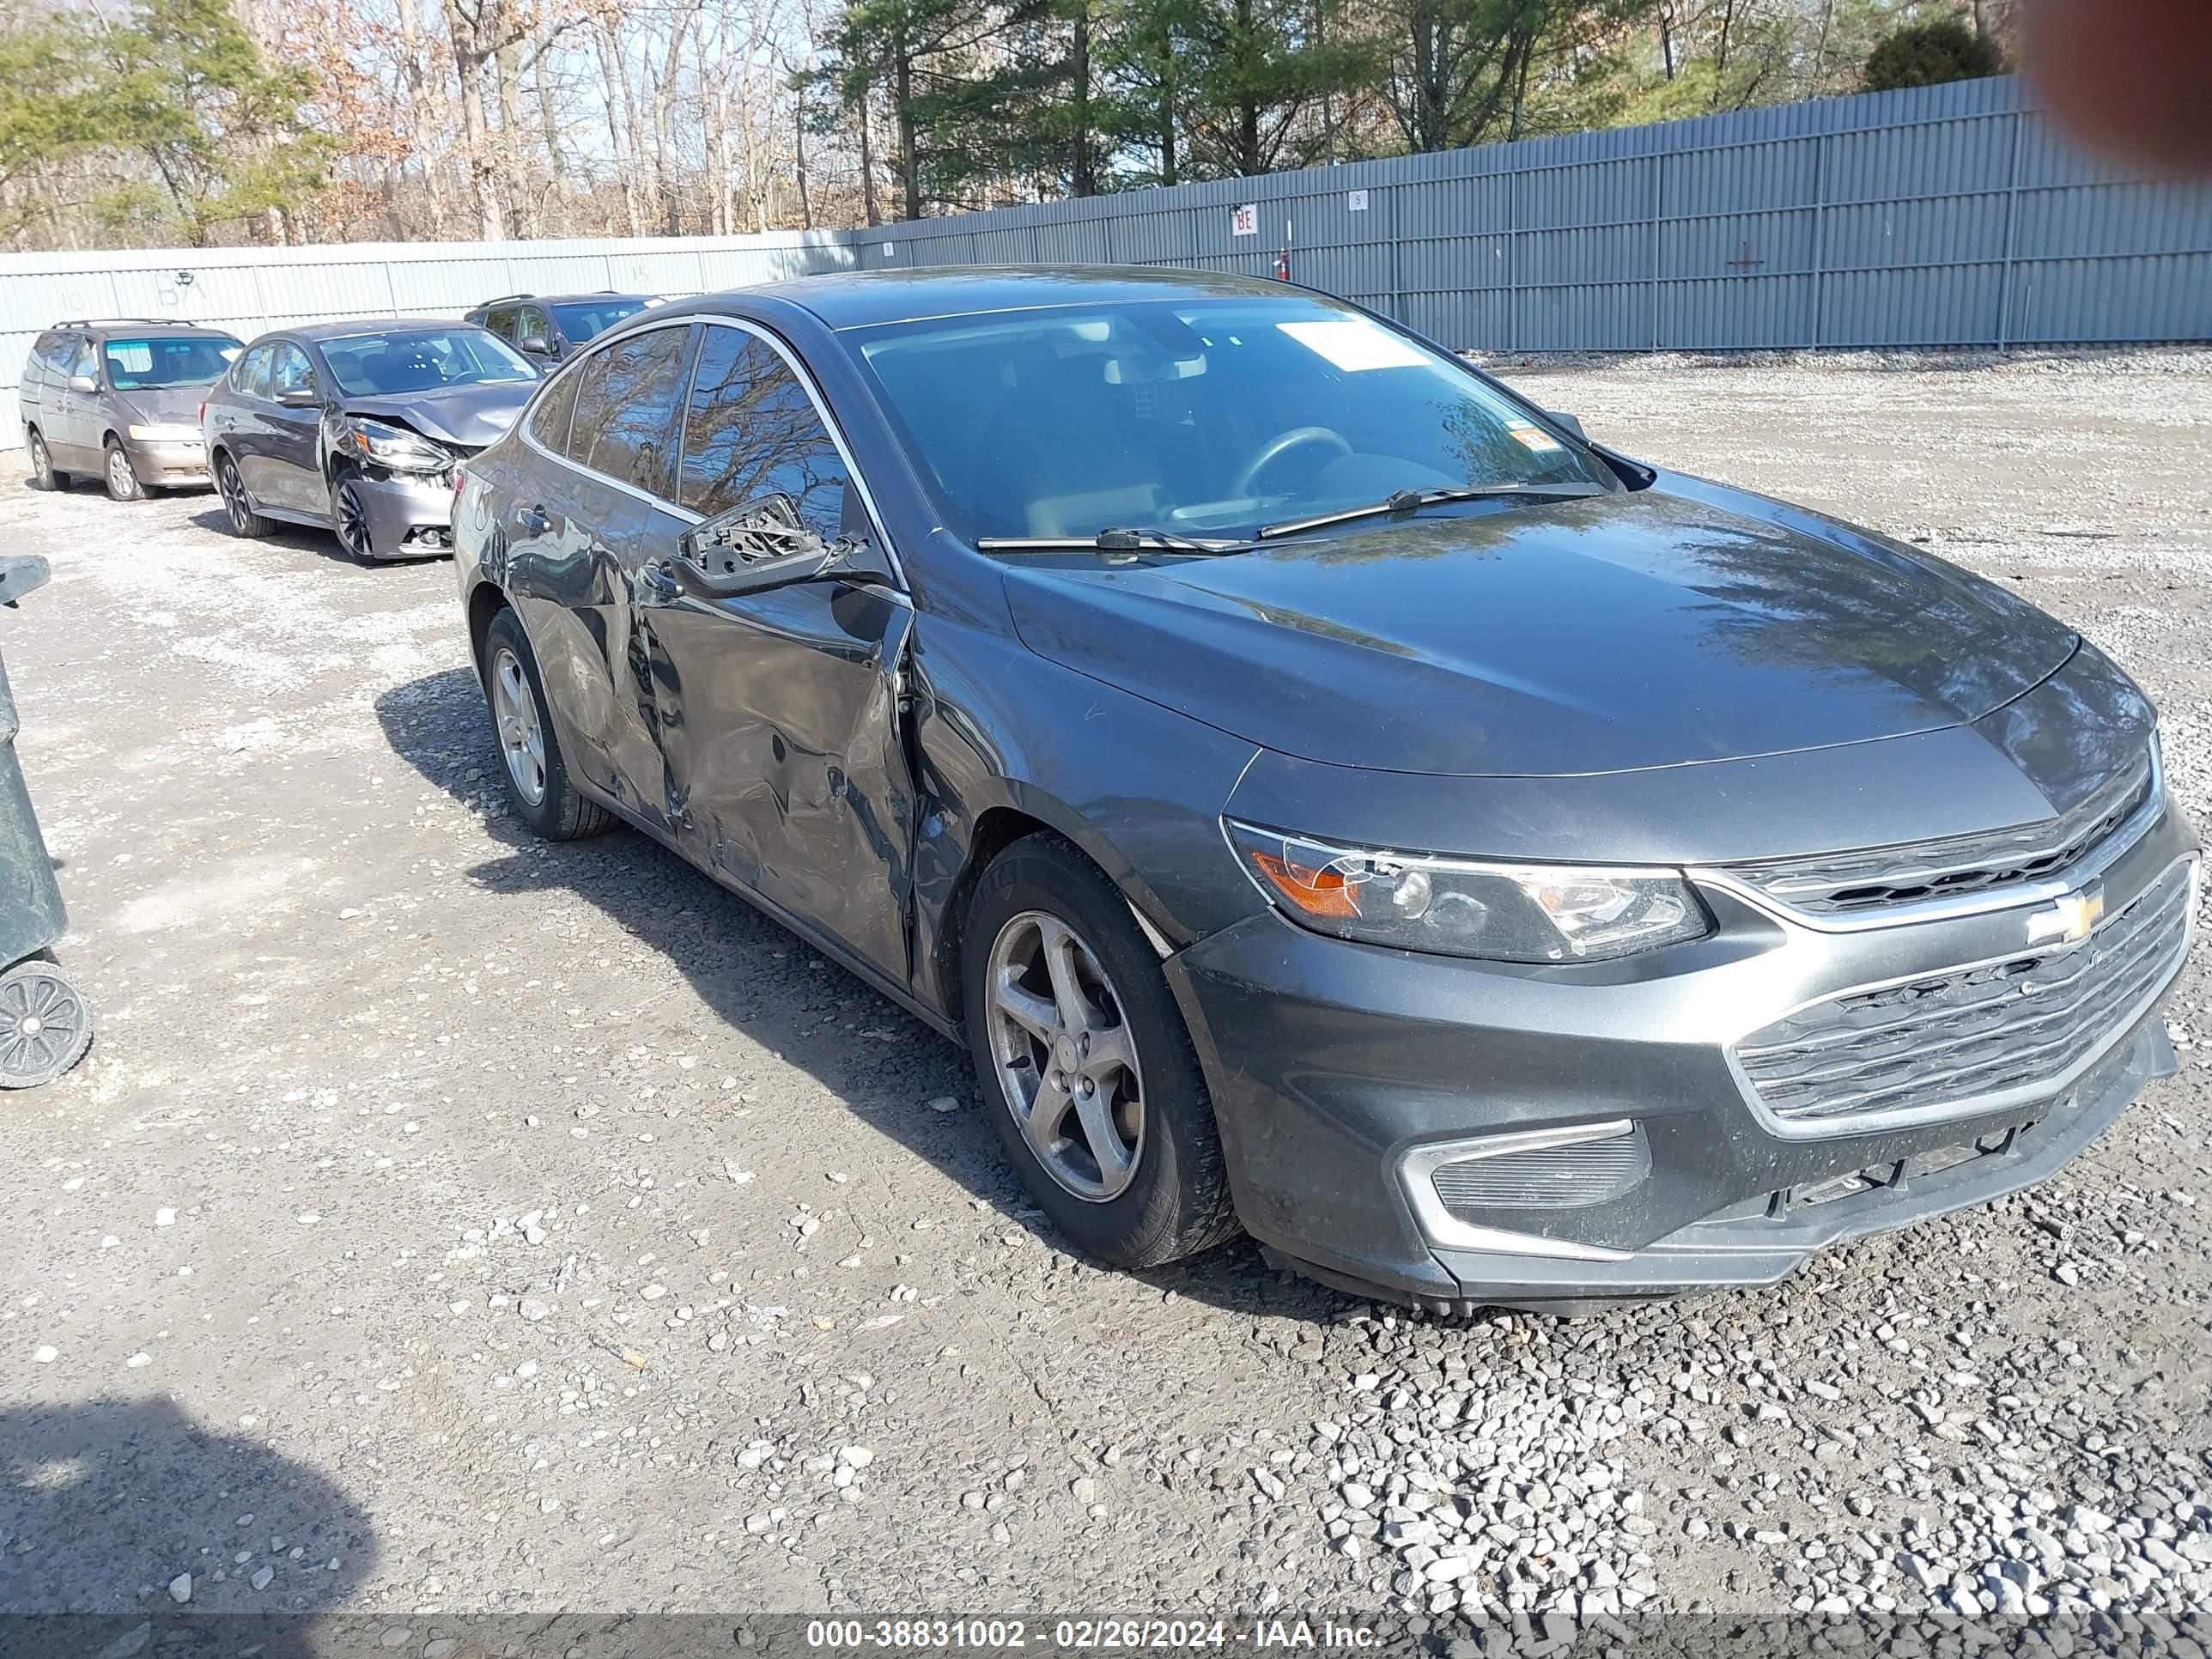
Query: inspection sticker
x=1535 y=438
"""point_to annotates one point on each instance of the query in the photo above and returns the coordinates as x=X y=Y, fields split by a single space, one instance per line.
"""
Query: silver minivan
x=120 y=399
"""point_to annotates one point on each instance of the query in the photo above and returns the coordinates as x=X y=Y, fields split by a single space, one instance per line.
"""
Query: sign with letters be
x=1245 y=221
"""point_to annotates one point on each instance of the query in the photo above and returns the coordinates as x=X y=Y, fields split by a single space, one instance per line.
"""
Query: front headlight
x=166 y=435
x=395 y=447
x=1535 y=913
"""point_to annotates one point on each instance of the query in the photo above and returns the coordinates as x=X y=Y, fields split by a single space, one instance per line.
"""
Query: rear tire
x=121 y=479
x=45 y=1024
x=237 y=507
x=1056 y=1086
x=44 y=473
x=537 y=784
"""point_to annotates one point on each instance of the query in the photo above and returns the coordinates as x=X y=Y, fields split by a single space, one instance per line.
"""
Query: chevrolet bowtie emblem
x=2072 y=919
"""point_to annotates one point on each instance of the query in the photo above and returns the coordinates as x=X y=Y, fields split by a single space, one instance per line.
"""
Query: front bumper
x=1342 y=1075
x=409 y=514
x=169 y=463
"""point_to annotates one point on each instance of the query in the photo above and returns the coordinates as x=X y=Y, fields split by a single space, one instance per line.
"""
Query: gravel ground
x=444 y=1223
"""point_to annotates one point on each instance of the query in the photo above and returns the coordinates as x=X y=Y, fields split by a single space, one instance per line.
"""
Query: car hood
x=168 y=405
x=1633 y=630
x=469 y=416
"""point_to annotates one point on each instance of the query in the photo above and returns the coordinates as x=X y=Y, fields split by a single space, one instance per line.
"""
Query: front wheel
x=1085 y=1062
x=122 y=479
x=349 y=517
x=537 y=783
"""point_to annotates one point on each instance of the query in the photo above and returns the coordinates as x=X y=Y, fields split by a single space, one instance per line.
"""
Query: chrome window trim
x=1417 y=1169
x=791 y=361
x=2087 y=868
x=1913 y=1117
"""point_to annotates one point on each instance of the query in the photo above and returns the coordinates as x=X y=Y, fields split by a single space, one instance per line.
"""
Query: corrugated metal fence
x=1945 y=217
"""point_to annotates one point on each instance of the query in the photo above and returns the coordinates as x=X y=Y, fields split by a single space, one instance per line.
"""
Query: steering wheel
x=1281 y=445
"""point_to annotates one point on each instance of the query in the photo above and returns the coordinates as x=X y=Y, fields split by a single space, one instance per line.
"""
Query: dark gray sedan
x=1326 y=793
x=355 y=427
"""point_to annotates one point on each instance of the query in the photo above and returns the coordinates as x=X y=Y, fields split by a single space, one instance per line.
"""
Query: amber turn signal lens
x=1317 y=892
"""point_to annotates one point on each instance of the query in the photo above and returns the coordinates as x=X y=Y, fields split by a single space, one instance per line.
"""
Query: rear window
x=149 y=364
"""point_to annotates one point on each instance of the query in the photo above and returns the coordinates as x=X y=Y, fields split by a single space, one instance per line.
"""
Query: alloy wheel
x=42 y=463
x=122 y=482
x=350 y=515
x=232 y=490
x=1066 y=1057
x=514 y=713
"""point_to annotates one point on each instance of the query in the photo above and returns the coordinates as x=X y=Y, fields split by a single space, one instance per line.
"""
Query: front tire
x=537 y=784
x=1086 y=1064
x=349 y=518
x=121 y=479
x=43 y=474
x=237 y=507
x=45 y=1024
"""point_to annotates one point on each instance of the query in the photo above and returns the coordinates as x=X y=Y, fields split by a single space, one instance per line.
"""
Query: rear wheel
x=349 y=517
x=1085 y=1063
x=45 y=1024
x=238 y=510
x=537 y=783
x=122 y=479
x=43 y=473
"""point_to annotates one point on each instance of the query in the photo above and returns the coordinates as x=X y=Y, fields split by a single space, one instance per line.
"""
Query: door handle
x=532 y=521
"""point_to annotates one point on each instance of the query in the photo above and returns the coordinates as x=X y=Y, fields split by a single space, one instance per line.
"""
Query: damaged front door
x=779 y=707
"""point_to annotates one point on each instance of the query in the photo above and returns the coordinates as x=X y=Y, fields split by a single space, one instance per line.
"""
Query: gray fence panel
x=1952 y=216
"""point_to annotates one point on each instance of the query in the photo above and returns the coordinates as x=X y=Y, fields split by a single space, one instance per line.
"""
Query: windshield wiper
x=1413 y=501
x=1112 y=541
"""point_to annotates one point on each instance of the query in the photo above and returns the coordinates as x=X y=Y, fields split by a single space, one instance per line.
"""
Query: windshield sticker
x=1353 y=344
x=1535 y=438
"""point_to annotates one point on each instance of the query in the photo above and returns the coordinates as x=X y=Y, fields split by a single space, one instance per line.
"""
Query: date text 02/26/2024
x=1083 y=1634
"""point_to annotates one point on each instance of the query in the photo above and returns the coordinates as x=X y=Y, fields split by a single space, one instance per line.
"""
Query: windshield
x=421 y=359
x=579 y=319
x=1202 y=417
x=151 y=364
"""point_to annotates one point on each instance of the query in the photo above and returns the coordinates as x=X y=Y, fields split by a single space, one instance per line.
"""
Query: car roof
x=318 y=332
x=860 y=299
x=561 y=299
x=100 y=327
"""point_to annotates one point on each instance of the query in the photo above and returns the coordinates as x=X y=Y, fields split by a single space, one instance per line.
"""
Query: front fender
x=1139 y=787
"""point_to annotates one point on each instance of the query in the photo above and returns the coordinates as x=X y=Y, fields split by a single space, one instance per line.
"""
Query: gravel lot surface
x=443 y=1221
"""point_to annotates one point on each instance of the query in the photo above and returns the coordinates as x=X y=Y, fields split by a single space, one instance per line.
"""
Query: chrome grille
x=1839 y=884
x=1949 y=1039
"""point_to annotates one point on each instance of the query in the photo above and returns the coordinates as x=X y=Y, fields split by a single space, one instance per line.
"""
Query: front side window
x=422 y=359
x=85 y=361
x=752 y=431
x=530 y=324
x=627 y=403
x=290 y=371
x=251 y=375
x=155 y=362
x=1199 y=416
x=580 y=320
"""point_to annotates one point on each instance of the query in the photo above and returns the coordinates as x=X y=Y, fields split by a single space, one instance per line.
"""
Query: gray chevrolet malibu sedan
x=1328 y=794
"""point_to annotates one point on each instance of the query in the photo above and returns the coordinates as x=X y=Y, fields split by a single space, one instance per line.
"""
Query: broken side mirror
x=759 y=545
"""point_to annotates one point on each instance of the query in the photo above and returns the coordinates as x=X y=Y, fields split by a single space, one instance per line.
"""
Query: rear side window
x=549 y=420
x=751 y=430
x=625 y=421
x=57 y=350
x=251 y=375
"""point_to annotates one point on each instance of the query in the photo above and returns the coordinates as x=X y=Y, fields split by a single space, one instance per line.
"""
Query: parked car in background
x=1327 y=792
x=120 y=398
x=549 y=326
x=355 y=427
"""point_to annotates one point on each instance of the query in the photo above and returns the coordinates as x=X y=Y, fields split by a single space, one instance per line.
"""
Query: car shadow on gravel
x=880 y=1061
x=106 y=1503
x=298 y=537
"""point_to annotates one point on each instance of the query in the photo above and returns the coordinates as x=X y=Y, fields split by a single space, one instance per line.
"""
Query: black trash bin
x=45 y=1024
